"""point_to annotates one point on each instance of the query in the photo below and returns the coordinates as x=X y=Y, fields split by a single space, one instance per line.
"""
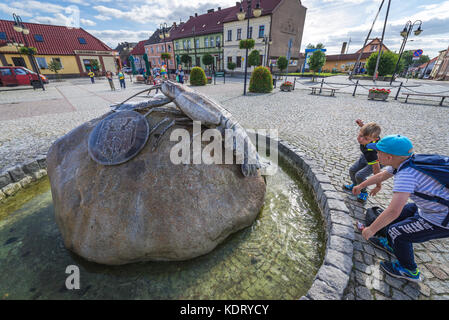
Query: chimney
x=210 y=10
x=219 y=8
x=174 y=24
x=237 y=4
x=191 y=17
x=343 y=47
x=196 y=14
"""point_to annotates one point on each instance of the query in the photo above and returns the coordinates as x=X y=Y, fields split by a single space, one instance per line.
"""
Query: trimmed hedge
x=198 y=77
x=261 y=80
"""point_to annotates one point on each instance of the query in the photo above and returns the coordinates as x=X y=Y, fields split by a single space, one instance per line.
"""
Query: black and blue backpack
x=435 y=166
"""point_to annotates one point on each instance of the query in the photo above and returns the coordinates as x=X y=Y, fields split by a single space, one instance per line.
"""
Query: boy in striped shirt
x=407 y=223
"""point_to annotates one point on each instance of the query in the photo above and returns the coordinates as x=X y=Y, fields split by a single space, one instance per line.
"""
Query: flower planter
x=378 y=96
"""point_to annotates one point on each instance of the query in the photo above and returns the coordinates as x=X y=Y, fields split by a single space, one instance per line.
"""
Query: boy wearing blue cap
x=407 y=223
x=368 y=163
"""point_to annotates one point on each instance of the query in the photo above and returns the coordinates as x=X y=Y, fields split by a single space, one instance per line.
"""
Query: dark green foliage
x=207 y=59
x=198 y=77
x=28 y=50
x=186 y=59
x=247 y=44
x=165 y=56
x=261 y=80
x=254 y=58
x=317 y=60
x=387 y=63
x=231 y=65
x=282 y=63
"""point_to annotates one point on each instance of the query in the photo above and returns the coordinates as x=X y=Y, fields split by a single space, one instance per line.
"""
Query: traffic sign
x=418 y=53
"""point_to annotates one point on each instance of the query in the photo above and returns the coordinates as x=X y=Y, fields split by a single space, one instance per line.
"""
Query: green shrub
x=254 y=58
x=261 y=80
x=282 y=63
x=231 y=65
x=247 y=44
x=387 y=63
x=198 y=77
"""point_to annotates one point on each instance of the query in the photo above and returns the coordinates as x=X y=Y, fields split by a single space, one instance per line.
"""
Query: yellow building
x=345 y=62
x=74 y=49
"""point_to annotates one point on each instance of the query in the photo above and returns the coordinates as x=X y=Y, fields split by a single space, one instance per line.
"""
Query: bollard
x=322 y=82
x=355 y=88
x=397 y=93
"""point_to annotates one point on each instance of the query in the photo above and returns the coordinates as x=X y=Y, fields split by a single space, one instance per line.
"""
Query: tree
x=208 y=60
x=261 y=80
x=186 y=59
x=316 y=62
x=318 y=46
x=254 y=58
x=54 y=66
x=387 y=63
x=231 y=66
x=407 y=60
x=282 y=63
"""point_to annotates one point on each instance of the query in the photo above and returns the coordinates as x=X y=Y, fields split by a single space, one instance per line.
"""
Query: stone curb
x=333 y=276
x=20 y=176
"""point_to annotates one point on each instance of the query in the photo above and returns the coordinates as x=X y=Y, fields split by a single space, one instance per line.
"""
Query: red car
x=19 y=76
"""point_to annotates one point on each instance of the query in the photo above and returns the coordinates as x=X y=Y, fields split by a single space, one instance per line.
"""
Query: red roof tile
x=57 y=39
x=267 y=7
x=139 y=49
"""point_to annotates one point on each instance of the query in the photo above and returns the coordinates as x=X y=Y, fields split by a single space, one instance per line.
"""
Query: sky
x=330 y=22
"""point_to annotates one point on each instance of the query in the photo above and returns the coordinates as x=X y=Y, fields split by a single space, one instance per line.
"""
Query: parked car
x=127 y=70
x=19 y=76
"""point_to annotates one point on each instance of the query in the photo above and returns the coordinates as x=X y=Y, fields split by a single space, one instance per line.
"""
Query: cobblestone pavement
x=322 y=126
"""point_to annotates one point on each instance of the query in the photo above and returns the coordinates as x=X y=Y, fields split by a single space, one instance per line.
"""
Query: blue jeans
x=122 y=83
x=410 y=228
x=359 y=171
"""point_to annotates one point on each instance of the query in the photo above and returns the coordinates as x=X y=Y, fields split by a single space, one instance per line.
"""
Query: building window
x=157 y=48
x=159 y=61
x=239 y=34
x=169 y=48
x=162 y=48
x=239 y=62
x=2 y=35
x=229 y=35
x=229 y=60
x=184 y=44
x=152 y=50
x=374 y=47
x=218 y=42
x=261 y=31
x=38 y=38
x=188 y=44
x=250 y=33
x=197 y=43
x=42 y=63
x=212 y=42
x=206 y=42
x=177 y=45
x=82 y=40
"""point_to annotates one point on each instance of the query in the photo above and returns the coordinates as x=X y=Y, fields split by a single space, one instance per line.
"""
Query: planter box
x=286 y=88
x=378 y=96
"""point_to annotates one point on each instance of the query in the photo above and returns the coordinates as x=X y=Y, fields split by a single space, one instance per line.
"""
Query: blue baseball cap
x=393 y=144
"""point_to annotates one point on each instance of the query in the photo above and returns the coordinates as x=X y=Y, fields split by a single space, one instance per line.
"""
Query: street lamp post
x=405 y=34
x=218 y=45
x=266 y=40
x=20 y=27
x=165 y=33
x=241 y=16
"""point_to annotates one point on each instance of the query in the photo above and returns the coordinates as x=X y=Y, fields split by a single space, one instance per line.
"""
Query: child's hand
x=359 y=122
x=356 y=190
x=375 y=190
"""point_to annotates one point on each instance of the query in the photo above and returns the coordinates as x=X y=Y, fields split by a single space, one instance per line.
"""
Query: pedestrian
x=421 y=179
x=121 y=78
x=368 y=162
x=92 y=76
x=164 y=71
x=110 y=80
x=157 y=81
x=180 y=74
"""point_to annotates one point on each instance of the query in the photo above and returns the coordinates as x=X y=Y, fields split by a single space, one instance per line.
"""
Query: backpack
x=435 y=166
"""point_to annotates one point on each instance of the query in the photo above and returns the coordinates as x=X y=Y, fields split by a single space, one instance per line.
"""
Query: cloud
x=113 y=37
x=88 y=22
x=10 y=9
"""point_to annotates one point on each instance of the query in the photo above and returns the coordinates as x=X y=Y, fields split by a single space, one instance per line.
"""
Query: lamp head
x=418 y=31
x=17 y=27
x=258 y=10
x=404 y=32
x=241 y=14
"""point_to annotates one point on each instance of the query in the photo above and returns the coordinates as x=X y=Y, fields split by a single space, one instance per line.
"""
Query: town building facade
x=440 y=70
x=74 y=49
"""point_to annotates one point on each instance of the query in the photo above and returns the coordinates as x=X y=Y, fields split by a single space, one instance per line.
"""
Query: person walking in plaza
x=367 y=163
x=424 y=179
x=121 y=78
x=92 y=76
x=110 y=80
x=180 y=74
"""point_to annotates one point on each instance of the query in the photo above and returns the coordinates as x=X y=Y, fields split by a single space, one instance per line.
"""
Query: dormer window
x=82 y=40
x=38 y=38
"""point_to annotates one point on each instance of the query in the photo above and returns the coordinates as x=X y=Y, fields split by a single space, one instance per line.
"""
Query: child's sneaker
x=395 y=269
x=348 y=187
x=381 y=243
x=362 y=197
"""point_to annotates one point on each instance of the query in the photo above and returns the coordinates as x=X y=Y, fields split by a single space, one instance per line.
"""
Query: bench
x=332 y=90
x=425 y=95
x=220 y=75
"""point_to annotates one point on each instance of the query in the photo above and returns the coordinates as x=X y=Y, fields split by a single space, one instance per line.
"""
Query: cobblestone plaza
x=322 y=127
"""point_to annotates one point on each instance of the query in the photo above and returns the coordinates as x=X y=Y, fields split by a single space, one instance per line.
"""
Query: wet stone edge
x=333 y=276
x=21 y=176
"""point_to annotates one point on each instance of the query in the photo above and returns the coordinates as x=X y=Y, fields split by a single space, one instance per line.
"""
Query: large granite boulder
x=147 y=208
